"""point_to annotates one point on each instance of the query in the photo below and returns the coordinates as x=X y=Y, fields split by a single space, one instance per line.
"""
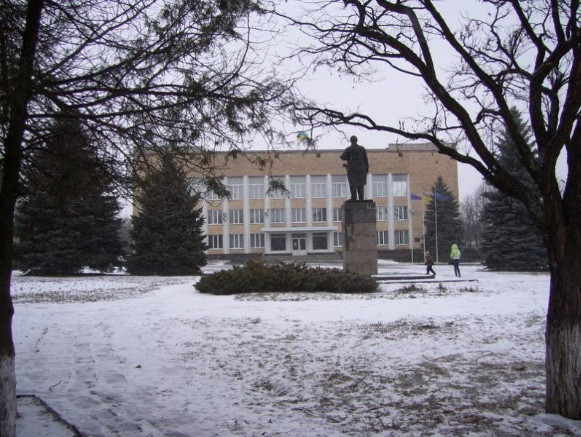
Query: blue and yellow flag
x=302 y=136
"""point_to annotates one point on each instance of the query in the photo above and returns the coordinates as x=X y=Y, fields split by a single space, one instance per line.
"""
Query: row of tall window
x=257 y=187
x=278 y=242
x=298 y=215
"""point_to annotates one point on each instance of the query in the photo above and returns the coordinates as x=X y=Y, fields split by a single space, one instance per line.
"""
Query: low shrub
x=256 y=276
x=412 y=288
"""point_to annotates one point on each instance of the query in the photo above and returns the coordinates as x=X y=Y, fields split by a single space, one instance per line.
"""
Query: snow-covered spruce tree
x=68 y=218
x=166 y=233
x=510 y=239
x=443 y=221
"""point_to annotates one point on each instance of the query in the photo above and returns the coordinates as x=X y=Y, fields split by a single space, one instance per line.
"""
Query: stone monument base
x=359 y=237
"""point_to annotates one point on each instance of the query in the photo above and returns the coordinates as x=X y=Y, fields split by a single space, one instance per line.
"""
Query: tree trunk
x=19 y=98
x=7 y=370
x=563 y=330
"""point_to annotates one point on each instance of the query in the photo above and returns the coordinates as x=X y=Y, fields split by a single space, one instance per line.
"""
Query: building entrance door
x=299 y=244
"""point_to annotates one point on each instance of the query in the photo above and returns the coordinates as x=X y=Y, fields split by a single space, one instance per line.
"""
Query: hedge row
x=256 y=276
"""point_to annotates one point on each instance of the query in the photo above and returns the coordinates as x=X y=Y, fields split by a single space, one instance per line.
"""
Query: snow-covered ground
x=150 y=356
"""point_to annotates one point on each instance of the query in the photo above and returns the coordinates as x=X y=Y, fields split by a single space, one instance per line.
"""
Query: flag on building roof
x=302 y=136
x=415 y=196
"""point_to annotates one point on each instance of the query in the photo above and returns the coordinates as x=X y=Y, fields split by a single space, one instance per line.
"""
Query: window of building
x=400 y=212
x=382 y=213
x=256 y=241
x=277 y=215
x=236 y=241
x=382 y=238
x=278 y=194
x=196 y=186
x=338 y=239
x=299 y=215
x=235 y=187
x=320 y=241
x=256 y=187
x=278 y=242
x=379 y=185
x=212 y=196
x=235 y=191
x=298 y=187
x=402 y=237
x=400 y=185
x=340 y=187
x=257 y=216
x=236 y=216
x=319 y=214
x=336 y=214
x=215 y=216
x=215 y=242
x=319 y=187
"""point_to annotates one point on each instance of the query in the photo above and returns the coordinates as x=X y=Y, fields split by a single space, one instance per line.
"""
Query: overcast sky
x=389 y=98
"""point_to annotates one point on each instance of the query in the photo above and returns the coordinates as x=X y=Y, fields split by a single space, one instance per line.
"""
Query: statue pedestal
x=360 y=237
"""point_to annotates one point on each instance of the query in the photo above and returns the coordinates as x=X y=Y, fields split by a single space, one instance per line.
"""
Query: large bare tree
x=135 y=75
x=471 y=211
x=506 y=52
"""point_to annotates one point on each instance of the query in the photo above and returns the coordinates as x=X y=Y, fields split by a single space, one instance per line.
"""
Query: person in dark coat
x=429 y=264
x=357 y=168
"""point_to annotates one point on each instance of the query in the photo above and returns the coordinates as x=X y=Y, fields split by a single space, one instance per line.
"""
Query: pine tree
x=166 y=234
x=68 y=218
x=443 y=221
x=510 y=240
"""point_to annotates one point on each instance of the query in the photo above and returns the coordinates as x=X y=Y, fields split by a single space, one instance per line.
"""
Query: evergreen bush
x=166 y=234
x=443 y=221
x=256 y=276
x=67 y=217
x=510 y=239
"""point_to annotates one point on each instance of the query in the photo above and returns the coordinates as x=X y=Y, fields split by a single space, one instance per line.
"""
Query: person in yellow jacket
x=455 y=258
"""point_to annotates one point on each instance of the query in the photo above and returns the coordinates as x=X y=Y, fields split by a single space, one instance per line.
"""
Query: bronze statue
x=357 y=168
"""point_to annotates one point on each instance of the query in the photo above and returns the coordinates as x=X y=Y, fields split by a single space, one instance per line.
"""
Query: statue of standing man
x=357 y=168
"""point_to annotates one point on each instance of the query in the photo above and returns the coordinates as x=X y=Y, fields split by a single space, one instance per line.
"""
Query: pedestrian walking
x=455 y=258
x=429 y=264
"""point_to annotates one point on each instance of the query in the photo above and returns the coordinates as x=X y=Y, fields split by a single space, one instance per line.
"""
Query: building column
x=390 y=221
x=246 y=213
x=330 y=234
x=410 y=218
x=266 y=218
x=287 y=201
x=205 y=225
x=309 y=211
x=226 y=222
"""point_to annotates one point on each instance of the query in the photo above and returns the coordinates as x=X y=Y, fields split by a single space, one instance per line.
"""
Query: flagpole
x=424 y=224
x=436 y=222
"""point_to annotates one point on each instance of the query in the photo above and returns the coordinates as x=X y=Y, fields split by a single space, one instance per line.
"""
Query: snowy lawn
x=134 y=356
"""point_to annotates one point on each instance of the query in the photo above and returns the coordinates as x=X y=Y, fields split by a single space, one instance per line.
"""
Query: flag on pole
x=415 y=196
x=302 y=136
x=440 y=196
x=427 y=197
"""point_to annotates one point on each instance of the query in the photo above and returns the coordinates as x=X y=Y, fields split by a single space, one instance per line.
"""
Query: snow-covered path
x=170 y=361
